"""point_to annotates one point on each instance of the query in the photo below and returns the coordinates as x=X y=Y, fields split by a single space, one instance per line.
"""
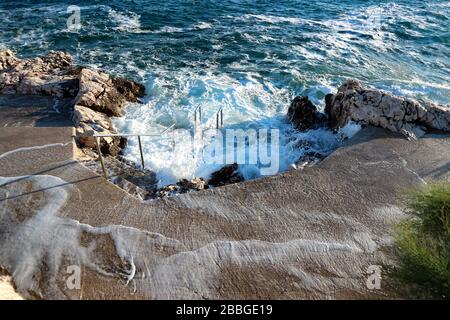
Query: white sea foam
x=169 y=29
x=250 y=103
x=274 y=19
x=307 y=54
x=129 y=21
x=202 y=25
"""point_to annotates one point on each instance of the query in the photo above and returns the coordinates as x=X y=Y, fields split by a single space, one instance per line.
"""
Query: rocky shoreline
x=93 y=97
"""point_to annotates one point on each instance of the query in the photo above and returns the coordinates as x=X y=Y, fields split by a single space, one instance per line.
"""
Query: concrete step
x=141 y=183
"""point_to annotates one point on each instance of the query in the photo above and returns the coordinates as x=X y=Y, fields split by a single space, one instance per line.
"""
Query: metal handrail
x=97 y=137
x=103 y=135
x=167 y=129
x=198 y=115
x=219 y=118
x=197 y=111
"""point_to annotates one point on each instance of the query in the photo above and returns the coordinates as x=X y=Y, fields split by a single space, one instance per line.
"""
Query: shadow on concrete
x=43 y=189
x=35 y=111
x=440 y=171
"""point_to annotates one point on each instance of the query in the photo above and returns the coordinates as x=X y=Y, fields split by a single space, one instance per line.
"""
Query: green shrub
x=431 y=205
x=423 y=243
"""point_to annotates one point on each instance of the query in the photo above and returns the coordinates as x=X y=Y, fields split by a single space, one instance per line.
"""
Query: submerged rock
x=304 y=115
x=381 y=109
x=226 y=175
x=196 y=184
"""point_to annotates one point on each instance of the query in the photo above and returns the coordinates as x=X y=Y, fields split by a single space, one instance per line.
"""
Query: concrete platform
x=308 y=234
x=18 y=110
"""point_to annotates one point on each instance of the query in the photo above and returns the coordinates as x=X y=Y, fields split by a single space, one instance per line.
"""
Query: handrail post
x=173 y=141
x=140 y=150
x=219 y=118
x=197 y=115
x=217 y=121
x=97 y=142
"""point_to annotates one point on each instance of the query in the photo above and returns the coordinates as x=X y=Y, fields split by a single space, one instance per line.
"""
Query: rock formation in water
x=88 y=122
x=304 y=115
x=96 y=95
x=353 y=102
x=381 y=109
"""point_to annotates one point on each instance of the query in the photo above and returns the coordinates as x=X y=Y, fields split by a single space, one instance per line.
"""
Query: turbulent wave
x=248 y=104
